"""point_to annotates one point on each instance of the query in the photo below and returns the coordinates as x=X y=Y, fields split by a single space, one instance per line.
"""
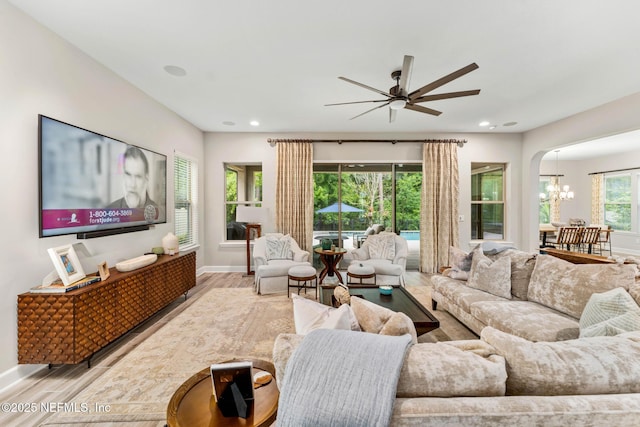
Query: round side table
x=193 y=404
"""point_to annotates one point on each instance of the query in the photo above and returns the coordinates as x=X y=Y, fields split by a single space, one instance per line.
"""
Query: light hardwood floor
x=61 y=382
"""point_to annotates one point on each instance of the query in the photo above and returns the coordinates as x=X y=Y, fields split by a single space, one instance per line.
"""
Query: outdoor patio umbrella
x=334 y=208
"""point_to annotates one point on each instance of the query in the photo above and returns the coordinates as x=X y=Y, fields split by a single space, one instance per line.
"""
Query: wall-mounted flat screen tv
x=94 y=185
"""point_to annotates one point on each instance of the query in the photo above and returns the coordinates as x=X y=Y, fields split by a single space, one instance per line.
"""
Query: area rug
x=222 y=324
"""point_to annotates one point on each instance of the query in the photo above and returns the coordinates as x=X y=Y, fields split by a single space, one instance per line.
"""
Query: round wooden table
x=193 y=404
x=330 y=259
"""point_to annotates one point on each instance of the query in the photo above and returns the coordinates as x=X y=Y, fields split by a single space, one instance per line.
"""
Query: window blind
x=186 y=200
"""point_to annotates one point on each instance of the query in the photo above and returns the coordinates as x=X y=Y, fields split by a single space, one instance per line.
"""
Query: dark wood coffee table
x=193 y=404
x=399 y=300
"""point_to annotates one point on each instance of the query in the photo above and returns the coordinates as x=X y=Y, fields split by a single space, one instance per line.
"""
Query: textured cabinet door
x=131 y=301
x=95 y=321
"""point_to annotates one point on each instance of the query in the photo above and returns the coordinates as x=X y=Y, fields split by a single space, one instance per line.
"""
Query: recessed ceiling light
x=175 y=70
x=228 y=123
x=254 y=123
x=510 y=124
x=493 y=127
x=484 y=123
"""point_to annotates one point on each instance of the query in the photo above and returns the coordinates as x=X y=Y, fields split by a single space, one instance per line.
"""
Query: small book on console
x=58 y=287
x=233 y=388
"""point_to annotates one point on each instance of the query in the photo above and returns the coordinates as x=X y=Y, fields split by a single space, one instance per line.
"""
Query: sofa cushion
x=278 y=247
x=566 y=287
x=277 y=268
x=309 y=315
x=433 y=369
x=522 y=264
x=459 y=293
x=490 y=276
x=610 y=313
x=382 y=246
x=597 y=365
x=634 y=291
x=383 y=266
x=376 y=319
x=527 y=320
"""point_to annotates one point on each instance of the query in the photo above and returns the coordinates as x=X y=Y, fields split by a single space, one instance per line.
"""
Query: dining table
x=544 y=229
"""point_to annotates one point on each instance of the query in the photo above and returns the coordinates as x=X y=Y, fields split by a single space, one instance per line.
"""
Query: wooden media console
x=70 y=327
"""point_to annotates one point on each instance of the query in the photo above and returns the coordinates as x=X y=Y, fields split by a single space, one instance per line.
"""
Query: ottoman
x=305 y=276
x=359 y=271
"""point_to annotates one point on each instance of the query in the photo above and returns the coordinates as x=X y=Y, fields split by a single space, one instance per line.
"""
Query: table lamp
x=254 y=216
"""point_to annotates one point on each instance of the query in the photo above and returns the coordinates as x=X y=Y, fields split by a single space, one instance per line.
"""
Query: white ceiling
x=278 y=61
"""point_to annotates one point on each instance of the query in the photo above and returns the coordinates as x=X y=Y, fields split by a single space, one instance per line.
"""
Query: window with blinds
x=186 y=200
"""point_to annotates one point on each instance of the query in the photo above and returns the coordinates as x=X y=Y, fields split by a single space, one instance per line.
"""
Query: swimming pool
x=410 y=235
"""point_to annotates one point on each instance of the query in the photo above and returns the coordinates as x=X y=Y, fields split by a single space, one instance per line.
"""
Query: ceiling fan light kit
x=399 y=98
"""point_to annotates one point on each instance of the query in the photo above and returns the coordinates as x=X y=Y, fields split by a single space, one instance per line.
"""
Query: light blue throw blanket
x=341 y=378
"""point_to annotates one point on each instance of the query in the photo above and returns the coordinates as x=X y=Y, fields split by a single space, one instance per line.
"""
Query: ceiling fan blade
x=365 y=86
x=405 y=74
x=392 y=115
x=442 y=81
x=357 y=102
x=368 y=111
x=422 y=109
x=446 y=95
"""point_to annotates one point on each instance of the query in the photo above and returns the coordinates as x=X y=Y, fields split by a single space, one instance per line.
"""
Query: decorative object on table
x=233 y=388
x=103 y=270
x=136 y=263
x=170 y=244
x=385 y=289
x=58 y=287
x=341 y=295
x=261 y=378
x=158 y=250
x=253 y=216
x=326 y=244
x=67 y=264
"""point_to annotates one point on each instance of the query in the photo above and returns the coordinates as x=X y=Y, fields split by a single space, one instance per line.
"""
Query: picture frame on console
x=67 y=264
x=103 y=271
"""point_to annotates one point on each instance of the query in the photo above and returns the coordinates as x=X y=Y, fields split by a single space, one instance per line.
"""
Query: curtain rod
x=615 y=170
x=551 y=175
x=459 y=142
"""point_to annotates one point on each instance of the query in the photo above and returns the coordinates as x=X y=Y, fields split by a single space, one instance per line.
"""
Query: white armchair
x=387 y=253
x=272 y=261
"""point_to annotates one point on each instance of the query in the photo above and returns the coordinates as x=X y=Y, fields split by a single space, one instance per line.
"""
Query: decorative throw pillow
x=382 y=246
x=634 y=291
x=309 y=315
x=609 y=313
x=566 y=287
x=597 y=365
x=278 y=247
x=459 y=259
x=375 y=319
x=490 y=276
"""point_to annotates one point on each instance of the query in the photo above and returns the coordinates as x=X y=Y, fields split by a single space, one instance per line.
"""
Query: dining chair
x=604 y=239
x=567 y=236
x=589 y=238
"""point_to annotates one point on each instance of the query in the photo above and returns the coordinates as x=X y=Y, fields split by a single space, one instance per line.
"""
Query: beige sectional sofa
x=503 y=380
x=546 y=298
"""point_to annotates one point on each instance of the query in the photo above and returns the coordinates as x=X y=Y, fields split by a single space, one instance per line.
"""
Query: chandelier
x=555 y=191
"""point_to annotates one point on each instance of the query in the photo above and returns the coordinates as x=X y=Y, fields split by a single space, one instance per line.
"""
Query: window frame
x=190 y=203
x=633 y=176
x=484 y=167
x=242 y=170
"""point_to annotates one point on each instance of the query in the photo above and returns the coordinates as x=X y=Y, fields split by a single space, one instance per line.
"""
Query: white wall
x=610 y=119
x=223 y=148
x=42 y=74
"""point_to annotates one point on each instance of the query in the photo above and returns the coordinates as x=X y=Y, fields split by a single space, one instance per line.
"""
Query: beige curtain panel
x=597 y=211
x=294 y=192
x=439 y=213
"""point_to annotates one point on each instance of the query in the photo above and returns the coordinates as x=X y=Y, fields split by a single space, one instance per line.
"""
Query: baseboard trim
x=16 y=374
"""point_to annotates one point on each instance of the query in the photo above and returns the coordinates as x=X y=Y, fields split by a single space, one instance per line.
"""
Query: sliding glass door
x=351 y=198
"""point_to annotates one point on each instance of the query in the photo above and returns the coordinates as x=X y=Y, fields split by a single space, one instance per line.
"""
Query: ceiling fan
x=398 y=96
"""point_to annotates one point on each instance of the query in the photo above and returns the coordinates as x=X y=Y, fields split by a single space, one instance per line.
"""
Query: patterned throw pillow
x=382 y=246
x=279 y=247
x=609 y=313
x=490 y=276
x=459 y=259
